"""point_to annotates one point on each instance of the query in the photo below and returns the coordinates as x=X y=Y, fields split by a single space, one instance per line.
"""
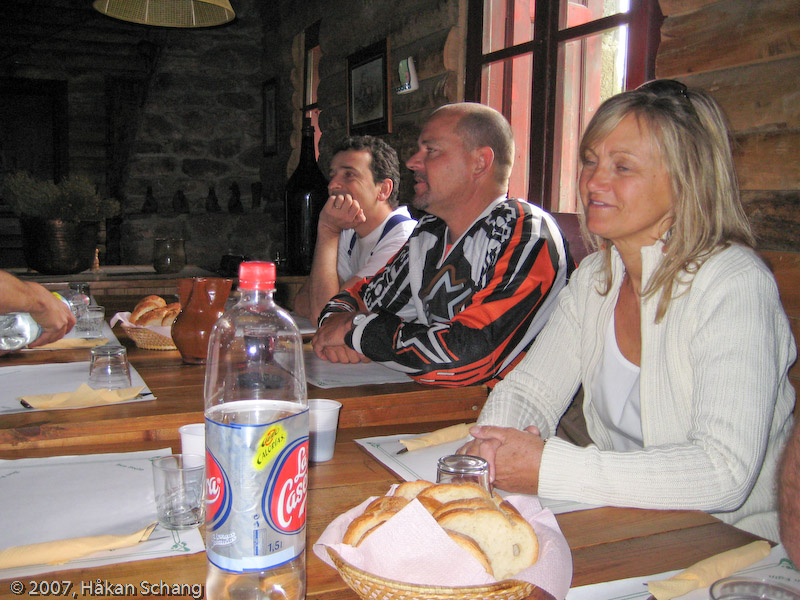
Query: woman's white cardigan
x=716 y=401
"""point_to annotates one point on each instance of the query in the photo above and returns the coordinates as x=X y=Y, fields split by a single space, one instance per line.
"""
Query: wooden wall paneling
x=670 y=8
x=729 y=33
x=768 y=161
x=775 y=216
x=760 y=97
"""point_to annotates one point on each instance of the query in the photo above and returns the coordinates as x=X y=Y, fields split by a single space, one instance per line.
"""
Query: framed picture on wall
x=368 y=110
x=269 y=96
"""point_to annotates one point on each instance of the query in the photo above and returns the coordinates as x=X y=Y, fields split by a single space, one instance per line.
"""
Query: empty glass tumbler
x=458 y=468
x=109 y=367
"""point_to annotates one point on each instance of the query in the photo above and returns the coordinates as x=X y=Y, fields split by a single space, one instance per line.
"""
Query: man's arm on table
x=472 y=346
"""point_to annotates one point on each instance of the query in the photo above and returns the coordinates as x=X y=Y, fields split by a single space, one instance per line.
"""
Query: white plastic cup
x=193 y=439
x=322 y=425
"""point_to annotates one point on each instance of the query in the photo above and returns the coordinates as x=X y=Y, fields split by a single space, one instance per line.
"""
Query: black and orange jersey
x=462 y=315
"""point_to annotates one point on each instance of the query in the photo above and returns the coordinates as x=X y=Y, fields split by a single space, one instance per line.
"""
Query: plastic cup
x=322 y=425
x=90 y=325
x=109 y=368
x=179 y=482
x=193 y=439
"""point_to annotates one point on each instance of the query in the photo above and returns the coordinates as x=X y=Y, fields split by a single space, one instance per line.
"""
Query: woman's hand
x=514 y=456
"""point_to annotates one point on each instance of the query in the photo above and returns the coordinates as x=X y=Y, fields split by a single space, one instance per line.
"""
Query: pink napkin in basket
x=411 y=547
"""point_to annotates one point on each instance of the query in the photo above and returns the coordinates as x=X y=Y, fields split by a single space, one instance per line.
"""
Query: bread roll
x=410 y=489
x=508 y=540
x=357 y=529
x=445 y=492
x=485 y=525
x=468 y=503
x=146 y=305
x=386 y=504
x=169 y=315
x=471 y=546
x=152 y=318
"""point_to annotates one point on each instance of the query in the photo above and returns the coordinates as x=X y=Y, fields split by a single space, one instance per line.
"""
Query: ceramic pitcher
x=202 y=304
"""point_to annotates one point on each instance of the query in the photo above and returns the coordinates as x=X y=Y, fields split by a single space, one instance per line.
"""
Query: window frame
x=644 y=26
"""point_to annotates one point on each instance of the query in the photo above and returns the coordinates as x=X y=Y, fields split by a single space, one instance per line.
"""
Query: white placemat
x=776 y=568
x=324 y=374
x=50 y=378
x=421 y=464
x=62 y=497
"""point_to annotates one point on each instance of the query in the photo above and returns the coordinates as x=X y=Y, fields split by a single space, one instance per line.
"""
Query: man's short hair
x=481 y=125
x=384 y=163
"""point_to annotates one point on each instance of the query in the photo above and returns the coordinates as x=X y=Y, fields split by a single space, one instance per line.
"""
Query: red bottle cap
x=257 y=275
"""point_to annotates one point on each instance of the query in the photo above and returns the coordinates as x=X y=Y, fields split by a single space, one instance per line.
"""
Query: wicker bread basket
x=148 y=339
x=372 y=587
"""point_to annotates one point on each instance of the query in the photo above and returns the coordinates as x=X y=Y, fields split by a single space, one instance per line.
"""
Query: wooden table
x=607 y=543
x=178 y=388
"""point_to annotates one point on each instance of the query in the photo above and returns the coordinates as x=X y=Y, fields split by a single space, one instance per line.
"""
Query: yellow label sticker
x=272 y=442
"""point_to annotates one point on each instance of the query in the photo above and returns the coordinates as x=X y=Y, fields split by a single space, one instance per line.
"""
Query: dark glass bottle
x=306 y=194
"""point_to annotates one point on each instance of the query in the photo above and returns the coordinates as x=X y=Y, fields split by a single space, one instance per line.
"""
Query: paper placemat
x=50 y=378
x=421 y=464
x=62 y=497
x=305 y=325
x=776 y=568
x=324 y=374
x=105 y=332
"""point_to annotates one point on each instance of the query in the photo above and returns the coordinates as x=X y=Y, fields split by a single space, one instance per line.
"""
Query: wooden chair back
x=571 y=230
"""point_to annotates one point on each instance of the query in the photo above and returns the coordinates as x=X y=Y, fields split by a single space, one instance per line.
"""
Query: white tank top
x=615 y=395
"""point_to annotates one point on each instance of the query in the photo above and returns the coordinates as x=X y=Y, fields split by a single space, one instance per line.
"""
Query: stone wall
x=430 y=31
x=181 y=110
x=200 y=134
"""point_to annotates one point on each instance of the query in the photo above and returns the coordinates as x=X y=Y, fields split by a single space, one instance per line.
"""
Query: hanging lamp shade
x=168 y=13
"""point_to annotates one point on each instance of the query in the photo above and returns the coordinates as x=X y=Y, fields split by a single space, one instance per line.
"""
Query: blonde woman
x=674 y=328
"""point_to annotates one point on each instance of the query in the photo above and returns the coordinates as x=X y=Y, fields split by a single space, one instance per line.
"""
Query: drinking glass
x=90 y=325
x=179 y=483
x=109 y=368
x=749 y=588
x=463 y=467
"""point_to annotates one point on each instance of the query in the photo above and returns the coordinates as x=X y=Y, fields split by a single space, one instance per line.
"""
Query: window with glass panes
x=547 y=65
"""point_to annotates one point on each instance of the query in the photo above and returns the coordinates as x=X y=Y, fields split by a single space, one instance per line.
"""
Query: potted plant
x=59 y=222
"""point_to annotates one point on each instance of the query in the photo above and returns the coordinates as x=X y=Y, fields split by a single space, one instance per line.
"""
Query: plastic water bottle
x=17 y=330
x=76 y=300
x=256 y=413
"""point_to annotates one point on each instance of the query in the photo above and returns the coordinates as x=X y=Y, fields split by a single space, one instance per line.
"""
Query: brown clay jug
x=202 y=304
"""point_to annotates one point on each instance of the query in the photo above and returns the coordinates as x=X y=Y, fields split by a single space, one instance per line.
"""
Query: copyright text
x=107 y=589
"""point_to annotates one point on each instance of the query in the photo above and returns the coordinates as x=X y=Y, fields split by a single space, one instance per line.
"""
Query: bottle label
x=256 y=484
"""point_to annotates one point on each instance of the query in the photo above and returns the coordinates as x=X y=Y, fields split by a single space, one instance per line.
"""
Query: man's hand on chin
x=328 y=342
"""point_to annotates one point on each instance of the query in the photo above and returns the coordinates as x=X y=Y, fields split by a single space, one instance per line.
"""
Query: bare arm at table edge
x=53 y=315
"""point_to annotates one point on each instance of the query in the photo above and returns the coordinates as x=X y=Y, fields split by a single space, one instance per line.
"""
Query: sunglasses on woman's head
x=668 y=87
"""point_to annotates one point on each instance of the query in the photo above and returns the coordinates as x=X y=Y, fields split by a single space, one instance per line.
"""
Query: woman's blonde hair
x=690 y=132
